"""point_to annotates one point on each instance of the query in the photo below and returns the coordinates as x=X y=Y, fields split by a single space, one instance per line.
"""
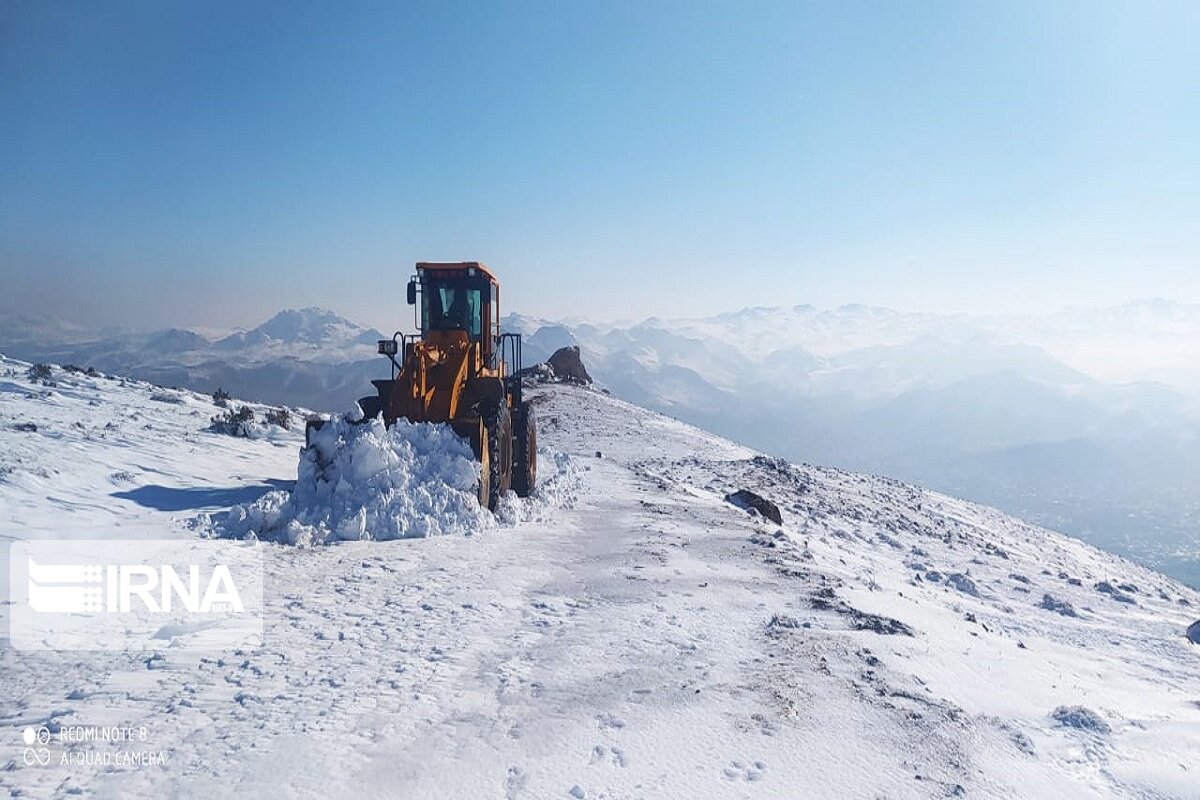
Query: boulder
x=568 y=366
x=748 y=500
x=1193 y=632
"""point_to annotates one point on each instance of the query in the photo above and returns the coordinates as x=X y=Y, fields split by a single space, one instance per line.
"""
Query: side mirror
x=388 y=347
x=412 y=293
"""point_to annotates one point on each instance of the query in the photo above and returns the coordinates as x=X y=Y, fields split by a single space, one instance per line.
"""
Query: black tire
x=524 y=477
x=499 y=437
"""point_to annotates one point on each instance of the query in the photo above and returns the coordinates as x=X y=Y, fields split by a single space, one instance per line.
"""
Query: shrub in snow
x=782 y=621
x=221 y=398
x=1081 y=718
x=167 y=397
x=962 y=583
x=876 y=623
x=40 y=372
x=1052 y=603
x=234 y=423
x=279 y=416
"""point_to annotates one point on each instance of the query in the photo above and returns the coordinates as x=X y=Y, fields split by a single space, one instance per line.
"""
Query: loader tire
x=524 y=476
x=496 y=456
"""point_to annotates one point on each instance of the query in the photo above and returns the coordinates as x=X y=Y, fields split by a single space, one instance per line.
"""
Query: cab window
x=448 y=306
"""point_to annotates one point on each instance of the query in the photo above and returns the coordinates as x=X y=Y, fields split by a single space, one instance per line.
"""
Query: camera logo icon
x=40 y=755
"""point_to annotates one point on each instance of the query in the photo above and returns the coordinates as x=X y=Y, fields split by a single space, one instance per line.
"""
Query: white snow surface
x=362 y=481
x=628 y=633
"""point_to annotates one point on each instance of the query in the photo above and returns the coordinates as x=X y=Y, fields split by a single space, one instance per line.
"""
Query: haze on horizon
x=206 y=165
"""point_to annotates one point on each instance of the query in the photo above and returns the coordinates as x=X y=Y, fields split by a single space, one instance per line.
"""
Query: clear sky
x=209 y=163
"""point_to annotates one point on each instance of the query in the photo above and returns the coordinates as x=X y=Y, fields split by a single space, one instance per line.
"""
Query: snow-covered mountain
x=628 y=632
x=986 y=408
x=309 y=333
x=306 y=332
x=1036 y=415
x=309 y=357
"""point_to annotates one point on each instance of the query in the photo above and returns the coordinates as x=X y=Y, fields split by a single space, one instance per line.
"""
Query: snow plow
x=461 y=370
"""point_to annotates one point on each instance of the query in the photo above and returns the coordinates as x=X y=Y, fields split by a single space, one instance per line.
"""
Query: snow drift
x=362 y=481
x=365 y=481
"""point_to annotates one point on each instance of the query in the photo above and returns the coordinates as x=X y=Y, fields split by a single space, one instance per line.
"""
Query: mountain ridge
x=857 y=387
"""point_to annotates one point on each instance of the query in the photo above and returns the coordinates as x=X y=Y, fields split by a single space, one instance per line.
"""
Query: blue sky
x=210 y=163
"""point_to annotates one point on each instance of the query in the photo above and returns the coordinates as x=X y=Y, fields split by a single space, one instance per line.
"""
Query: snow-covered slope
x=974 y=406
x=640 y=637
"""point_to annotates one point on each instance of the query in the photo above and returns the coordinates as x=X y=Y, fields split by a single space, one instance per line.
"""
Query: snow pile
x=364 y=481
x=557 y=487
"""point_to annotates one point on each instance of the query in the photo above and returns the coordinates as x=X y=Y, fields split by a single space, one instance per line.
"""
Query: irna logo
x=135 y=594
x=121 y=588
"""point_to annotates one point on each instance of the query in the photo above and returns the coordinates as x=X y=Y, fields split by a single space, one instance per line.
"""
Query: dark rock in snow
x=538 y=373
x=1193 y=632
x=565 y=366
x=568 y=366
x=1052 y=603
x=748 y=500
x=884 y=626
x=962 y=583
x=859 y=620
x=1081 y=718
x=1104 y=587
x=782 y=621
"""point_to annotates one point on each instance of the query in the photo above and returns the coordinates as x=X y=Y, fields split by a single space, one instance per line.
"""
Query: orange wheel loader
x=461 y=370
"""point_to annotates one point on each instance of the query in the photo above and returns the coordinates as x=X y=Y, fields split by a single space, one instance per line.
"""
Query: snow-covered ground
x=629 y=633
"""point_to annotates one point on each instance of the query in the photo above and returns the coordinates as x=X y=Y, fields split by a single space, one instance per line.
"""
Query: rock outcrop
x=568 y=366
x=748 y=500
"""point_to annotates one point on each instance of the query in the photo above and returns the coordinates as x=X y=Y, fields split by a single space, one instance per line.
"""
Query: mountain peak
x=312 y=325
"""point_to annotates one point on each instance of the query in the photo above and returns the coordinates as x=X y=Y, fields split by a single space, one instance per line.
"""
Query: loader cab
x=457 y=297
